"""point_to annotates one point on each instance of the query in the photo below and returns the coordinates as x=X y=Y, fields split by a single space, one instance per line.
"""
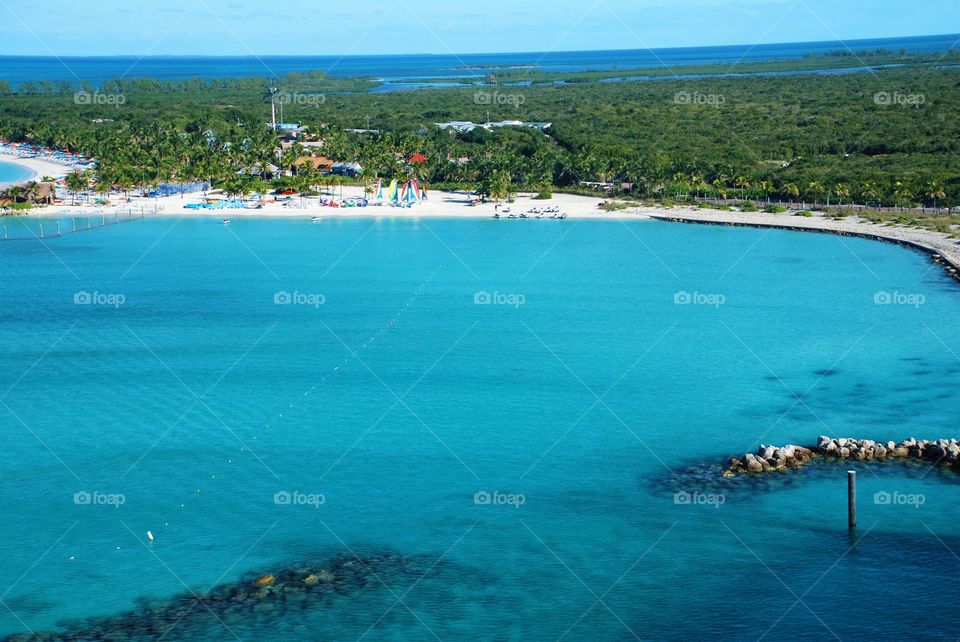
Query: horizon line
x=844 y=42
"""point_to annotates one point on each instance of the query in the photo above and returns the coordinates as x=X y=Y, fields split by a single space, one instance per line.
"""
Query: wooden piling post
x=852 y=498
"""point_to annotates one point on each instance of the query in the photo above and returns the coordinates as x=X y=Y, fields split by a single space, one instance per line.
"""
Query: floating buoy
x=150 y=536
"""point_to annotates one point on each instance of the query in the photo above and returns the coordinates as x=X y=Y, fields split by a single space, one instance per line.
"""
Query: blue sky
x=325 y=27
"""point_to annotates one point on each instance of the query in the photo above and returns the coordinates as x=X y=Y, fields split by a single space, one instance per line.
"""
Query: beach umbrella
x=417 y=159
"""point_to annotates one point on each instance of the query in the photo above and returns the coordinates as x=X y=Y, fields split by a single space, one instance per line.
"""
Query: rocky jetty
x=943 y=452
x=293 y=589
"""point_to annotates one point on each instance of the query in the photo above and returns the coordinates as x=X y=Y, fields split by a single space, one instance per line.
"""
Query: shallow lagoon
x=584 y=387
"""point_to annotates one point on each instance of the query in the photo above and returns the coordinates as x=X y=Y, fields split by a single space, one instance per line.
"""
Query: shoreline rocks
x=944 y=452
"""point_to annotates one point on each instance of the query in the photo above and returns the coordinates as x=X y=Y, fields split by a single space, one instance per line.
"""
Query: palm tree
x=31 y=190
x=697 y=183
x=15 y=192
x=767 y=187
x=792 y=190
x=869 y=192
x=902 y=194
x=720 y=186
x=815 y=188
x=680 y=180
x=76 y=182
x=743 y=183
x=841 y=191
x=934 y=190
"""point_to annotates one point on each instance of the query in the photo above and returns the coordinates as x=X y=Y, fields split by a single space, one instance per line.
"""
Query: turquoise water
x=184 y=388
x=12 y=173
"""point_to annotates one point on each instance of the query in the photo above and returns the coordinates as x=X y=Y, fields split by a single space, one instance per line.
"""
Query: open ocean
x=18 y=69
x=511 y=407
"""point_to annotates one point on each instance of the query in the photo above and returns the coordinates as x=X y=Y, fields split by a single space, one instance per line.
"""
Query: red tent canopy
x=418 y=159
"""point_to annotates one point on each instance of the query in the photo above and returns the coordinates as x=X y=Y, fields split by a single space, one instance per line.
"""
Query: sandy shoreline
x=37 y=166
x=439 y=205
x=932 y=243
x=577 y=208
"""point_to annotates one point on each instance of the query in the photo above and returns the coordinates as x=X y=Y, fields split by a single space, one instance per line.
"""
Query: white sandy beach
x=457 y=205
x=439 y=205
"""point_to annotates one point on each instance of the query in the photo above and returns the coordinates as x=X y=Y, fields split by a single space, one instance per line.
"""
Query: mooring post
x=73 y=222
x=58 y=228
x=41 y=230
x=852 y=498
x=103 y=220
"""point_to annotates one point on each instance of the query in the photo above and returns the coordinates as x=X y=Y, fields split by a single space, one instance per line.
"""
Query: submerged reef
x=278 y=593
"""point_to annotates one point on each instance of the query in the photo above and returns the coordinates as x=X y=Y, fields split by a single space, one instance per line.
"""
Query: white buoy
x=150 y=536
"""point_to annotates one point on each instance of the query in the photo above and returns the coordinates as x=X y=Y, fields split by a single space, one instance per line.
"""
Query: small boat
x=317 y=219
x=226 y=221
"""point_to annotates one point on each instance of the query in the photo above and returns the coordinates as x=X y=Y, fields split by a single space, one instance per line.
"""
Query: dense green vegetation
x=889 y=137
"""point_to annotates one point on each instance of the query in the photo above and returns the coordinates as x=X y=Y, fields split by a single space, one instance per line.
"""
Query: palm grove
x=888 y=137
